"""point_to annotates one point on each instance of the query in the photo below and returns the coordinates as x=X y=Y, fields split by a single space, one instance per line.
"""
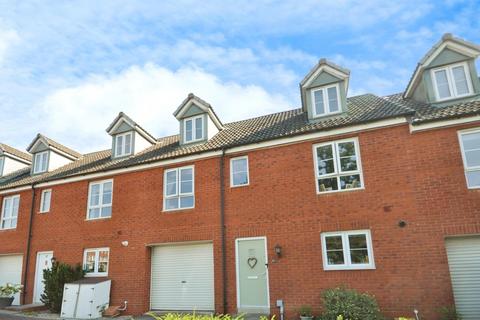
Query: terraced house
x=376 y=193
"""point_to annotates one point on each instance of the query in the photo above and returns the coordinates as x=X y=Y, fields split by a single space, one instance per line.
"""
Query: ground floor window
x=95 y=261
x=345 y=250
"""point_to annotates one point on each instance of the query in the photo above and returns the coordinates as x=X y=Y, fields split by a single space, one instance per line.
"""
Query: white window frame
x=97 y=255
x=2 y=164
x=2 y=214
x=42 y=200
x=123 y=153
x=326 y=102
x=337 y=173
x=466 y=168
x=178 y=194
x=346 y=251
x=39 y=169
x=232 y=185
x=451 y=81
x=194 y=129
x=100 y=205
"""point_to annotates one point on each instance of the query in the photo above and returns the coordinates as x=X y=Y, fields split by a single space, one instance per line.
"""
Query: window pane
x=186 y=177
x=319 y=106
x=94 y=213
x=198 y=128
x=325 y=152
x=335 y=257
x=44 y=161
x=240 y=178
x=359 y=256
x=333 y=243
x=346 y=149
x=472 y=158
x=350 y=182
x=239 y=165
x=7 y=211
x=188 y=130
x=16 y=202
x=186 y=187
x=46 y=201
x=357 y=241
x=460 y=80
x=128 y=144
x=471 y=141
x=348 y=164
x=90 y=262
x=103 y=261
x=332 y=99
x=325 y=160
x=442 y=84
x=171 y=183
x=95 y=195
x=106 y=212
x=119 y=145
x=329 y=184
x=473 y=178
x=13 y=223
x=171 y=203
x=107 y=193
x=186 y=202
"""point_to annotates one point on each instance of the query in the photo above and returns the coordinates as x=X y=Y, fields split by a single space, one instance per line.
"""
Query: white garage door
x=182 y=277
x=11 y=272
x=464 y=263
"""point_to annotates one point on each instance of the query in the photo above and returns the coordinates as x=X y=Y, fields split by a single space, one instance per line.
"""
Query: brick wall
x=416 y=177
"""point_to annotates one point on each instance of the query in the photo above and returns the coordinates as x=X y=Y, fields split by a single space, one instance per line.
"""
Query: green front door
x=252 y=276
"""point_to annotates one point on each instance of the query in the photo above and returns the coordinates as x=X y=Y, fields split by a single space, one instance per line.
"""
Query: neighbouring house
x=380 y=194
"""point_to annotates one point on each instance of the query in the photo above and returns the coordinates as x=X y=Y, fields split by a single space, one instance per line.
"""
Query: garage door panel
x=464 y=263
x=182 y=277
x=11 y=272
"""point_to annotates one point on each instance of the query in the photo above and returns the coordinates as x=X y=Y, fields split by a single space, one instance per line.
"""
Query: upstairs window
x=45 y=201
x=95 y=262
x=10 y=212
x=123 y=144
x=347 y=250
x=326 y=100
x=178 y=189
x=470 y=146
x=337 y=166
x=1 y=166
x=100 y=200
x=193 y=129
x=239 y=172
x=41 y=162
x=452 y=82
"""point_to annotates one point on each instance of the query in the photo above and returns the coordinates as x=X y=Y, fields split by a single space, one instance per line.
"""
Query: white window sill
x=240 y=185
x=340 y=191
x=92 y=274
x=347 y=268
x=179 y=209
x=455 y=98
x=43 y=211
x=318 y=116
x=5 y=229
x=102 y=218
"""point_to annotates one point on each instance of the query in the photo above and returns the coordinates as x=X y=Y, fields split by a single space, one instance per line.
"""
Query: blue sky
x=68 y=67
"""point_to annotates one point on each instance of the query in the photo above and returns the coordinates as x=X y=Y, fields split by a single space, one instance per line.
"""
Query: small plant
x=305 y=311
x=54 y=280
x=193 y=316
x=449 y=313
x=9 y=290
x=346 y=304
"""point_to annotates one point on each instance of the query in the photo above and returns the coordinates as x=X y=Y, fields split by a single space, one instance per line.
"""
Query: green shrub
x=449 y=313
x=305 y=311
x=193 y=316
x=9 y=290
x=54 y=279
x=347 y=304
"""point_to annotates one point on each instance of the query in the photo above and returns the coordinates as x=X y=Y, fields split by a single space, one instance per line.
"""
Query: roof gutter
x=29 y=240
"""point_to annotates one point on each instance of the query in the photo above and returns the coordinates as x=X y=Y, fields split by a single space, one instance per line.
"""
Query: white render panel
x=182 y=277
x=464 y=263
x=56 y=161
x=11 y=272
x=11 y=165
x=211 y=127
x=140 y=143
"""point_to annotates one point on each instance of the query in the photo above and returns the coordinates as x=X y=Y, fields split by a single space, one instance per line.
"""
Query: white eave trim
x=443 y=123
x=14 y=190
x=211 y=154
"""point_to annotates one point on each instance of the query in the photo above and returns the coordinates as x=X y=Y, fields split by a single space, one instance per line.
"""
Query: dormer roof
x=51 y=144
x=123 y=118
x=20 y=155
x=328 y=66
x=200 y=103
x=448 y=41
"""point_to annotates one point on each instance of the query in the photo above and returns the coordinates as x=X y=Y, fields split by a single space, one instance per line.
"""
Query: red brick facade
x=414 y=177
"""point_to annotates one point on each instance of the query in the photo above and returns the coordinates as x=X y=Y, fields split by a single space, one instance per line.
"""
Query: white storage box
x=86 y=298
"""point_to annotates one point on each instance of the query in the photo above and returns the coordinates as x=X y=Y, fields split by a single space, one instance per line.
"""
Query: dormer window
x=1 y=166
x=123 y=144
x=40 y=162
x=452 y=82
x=326 y=100
x=193 y=129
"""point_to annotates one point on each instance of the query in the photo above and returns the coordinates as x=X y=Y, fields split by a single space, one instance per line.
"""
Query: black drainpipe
x=222 y=226
x=29 y=238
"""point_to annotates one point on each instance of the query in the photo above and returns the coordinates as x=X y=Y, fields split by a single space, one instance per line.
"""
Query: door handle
x=266 y=265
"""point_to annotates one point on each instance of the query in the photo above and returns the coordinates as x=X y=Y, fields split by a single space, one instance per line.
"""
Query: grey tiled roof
x=15 y=152
x=361 y=109
x=56 y=145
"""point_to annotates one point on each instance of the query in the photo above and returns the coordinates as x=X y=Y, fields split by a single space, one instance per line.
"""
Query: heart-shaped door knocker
x=252 y=262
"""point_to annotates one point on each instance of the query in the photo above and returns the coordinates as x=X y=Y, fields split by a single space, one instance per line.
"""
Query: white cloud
x=8 y=37
x=149 y=94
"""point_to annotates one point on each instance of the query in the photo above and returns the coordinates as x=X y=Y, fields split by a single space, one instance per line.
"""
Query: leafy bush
x=9 y=290
x=305 y=311
x=347 y=304
x=449 y=313
x=178 y=316
x=54 y=279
